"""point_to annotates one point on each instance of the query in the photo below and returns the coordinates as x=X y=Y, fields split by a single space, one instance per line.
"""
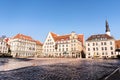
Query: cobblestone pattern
x=77 y=70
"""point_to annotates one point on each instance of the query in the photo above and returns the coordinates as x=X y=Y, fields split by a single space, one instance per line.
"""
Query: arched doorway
x=73 y=55
x=83 y=54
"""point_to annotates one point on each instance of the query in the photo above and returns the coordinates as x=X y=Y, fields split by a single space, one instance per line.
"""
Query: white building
x=3 y=46
x=70 y=45
x=22 y=46
x=101 y=45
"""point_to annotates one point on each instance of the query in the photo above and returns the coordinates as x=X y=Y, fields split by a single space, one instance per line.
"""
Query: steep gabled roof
x=99 y=37
x=53 y=34
x=66 y=37
x=59 y=38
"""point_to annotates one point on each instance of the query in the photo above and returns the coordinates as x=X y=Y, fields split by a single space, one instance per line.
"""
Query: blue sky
x=38 y=17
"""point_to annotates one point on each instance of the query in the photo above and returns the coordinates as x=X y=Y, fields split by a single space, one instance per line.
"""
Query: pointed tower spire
x=107 y=28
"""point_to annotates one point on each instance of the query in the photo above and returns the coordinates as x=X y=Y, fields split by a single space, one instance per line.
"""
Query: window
x=102 y=48
x=88 y=44
x=103 y=53
x=111 y=53
x=105 y=48
x=97 y=53
x=88 y=49
x=93 y=44
x=96 y=44
x=104 y=43
x=74 y=40
x=88 y=53
x=93 y=49
x=66 y=49
x=72 y=49
x=110 y=43
x=101 y=43
x=66 y=45
x=111 y=48
x=96 y=48
x=74 y=44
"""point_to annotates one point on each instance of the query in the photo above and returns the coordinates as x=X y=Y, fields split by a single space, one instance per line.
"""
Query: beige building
x=101 y=45
x=38 y=49
x=117 y=47
x=3 y=46
x=70 y=45
x=22 y=46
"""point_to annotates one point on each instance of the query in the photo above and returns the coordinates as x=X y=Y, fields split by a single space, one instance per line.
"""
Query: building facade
x=70 y=45
x=117 y=47
x=101 y=45
x=3 y=46
x=38 y=49
x=22 y=46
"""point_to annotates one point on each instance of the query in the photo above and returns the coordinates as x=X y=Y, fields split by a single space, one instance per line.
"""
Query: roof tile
x=99 y=36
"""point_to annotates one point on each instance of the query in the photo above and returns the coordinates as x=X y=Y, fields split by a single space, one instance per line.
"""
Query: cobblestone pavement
x=63 y=69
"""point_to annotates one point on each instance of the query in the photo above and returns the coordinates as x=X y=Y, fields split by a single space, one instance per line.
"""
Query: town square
x=59 y=40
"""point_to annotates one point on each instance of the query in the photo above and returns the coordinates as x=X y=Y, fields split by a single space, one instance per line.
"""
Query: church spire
x=107 y=28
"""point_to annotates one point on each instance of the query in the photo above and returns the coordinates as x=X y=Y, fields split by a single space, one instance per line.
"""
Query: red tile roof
x=117 y=44
x=63 y=37
x=99 y=36
x=21 y=36
x=66 y=37
x=53 y=34
x=38 y=42
x=6 y=39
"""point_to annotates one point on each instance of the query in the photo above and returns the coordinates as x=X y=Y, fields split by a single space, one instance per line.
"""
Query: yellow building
x=38 y=49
